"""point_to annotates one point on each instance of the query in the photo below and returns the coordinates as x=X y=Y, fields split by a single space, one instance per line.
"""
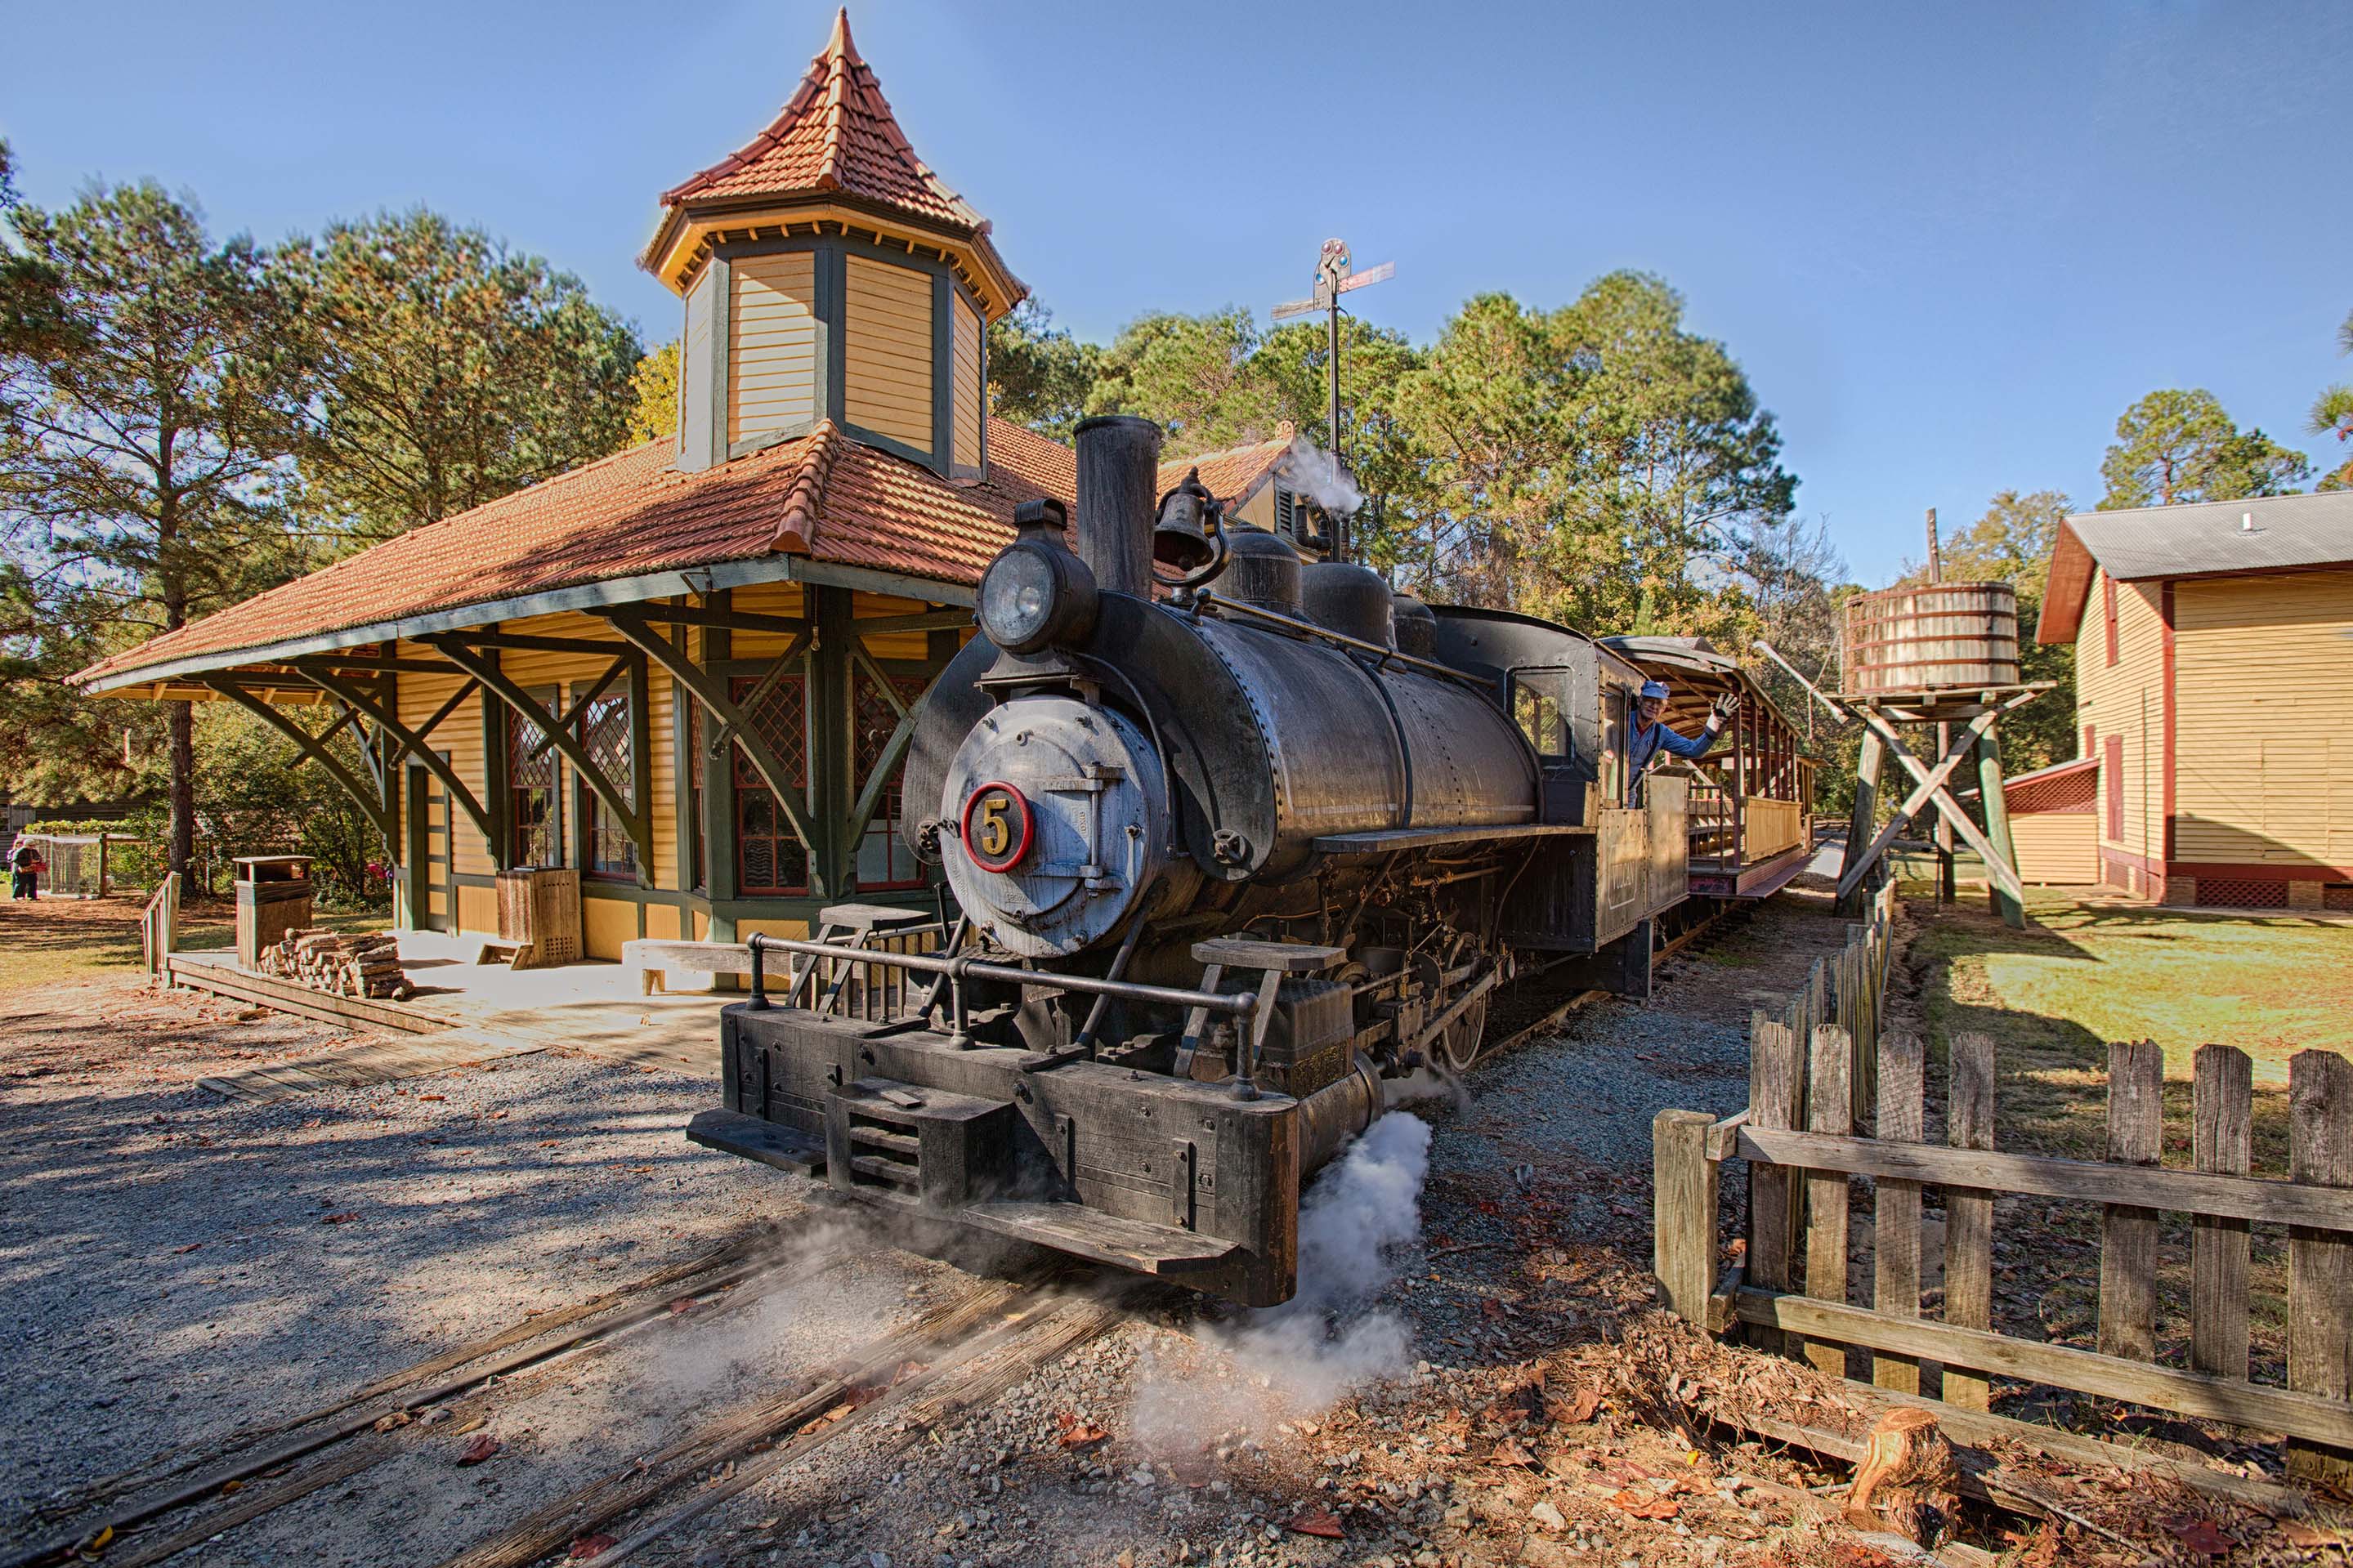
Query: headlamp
x=1034 y=594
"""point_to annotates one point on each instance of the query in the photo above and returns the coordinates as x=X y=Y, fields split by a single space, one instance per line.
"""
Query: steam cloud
x=1300 y=1358
x=1318 y=476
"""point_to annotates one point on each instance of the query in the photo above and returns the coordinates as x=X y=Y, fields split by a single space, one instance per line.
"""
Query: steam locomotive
x=1238 y=840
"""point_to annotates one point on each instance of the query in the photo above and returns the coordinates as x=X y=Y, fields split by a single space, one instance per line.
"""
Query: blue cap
x=1655 y=688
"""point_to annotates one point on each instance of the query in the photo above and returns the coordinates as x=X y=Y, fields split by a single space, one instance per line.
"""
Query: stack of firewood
x=363 y=965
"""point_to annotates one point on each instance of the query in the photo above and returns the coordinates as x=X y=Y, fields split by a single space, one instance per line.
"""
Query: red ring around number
x=1005 y=862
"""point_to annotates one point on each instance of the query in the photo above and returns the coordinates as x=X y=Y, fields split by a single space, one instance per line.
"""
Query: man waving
x=1652 y=736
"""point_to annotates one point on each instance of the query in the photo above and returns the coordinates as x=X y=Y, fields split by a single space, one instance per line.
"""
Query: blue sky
x=1950 y=244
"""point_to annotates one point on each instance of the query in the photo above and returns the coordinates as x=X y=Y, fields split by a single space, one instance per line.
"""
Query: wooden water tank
x=1933 y=637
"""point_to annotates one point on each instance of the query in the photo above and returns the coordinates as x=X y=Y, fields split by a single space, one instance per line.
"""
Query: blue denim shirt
x=1647 y=741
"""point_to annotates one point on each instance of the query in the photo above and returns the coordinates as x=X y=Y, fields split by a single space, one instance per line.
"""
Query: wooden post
x=1775 y=1080
x=1896 y=1215
x=1683 y=1213
x=2129 y=1234
x=2222 y=1140
x=2319 y=1262
x=1968 y=1216
x=1947 y=887
x=1862 y=818
x=1830 y=1107
x=2011 y=909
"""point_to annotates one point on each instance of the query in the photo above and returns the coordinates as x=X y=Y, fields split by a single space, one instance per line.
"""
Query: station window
x=884 y=861
x=1537 y=713
x=536 y=813
x=770 y=859
x=606 y=849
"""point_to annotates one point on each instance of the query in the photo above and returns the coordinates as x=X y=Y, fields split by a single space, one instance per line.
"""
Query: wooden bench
x=848 y=925
x=654 y=959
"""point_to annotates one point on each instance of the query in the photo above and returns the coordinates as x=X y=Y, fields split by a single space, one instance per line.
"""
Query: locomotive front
x=1227 y=858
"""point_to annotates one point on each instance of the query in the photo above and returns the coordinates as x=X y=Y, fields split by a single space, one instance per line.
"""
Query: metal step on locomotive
x=1240 y=840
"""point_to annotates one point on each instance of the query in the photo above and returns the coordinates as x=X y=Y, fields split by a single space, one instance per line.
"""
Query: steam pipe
x=1119 y=478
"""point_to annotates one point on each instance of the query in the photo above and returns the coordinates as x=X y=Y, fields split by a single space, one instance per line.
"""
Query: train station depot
x=687 y=670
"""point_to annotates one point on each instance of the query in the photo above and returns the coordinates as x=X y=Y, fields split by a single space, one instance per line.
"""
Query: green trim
x=412 y=745
x=718 y=775
x=723 y=276
x=497 y=782
x=638 y=823
x=943 y=373
x=383 y=821
x=641 y=761
x=793 y=431
x=681 y=781
x=832 y=291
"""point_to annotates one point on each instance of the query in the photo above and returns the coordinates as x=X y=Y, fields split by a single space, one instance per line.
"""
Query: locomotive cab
x=1227 y=861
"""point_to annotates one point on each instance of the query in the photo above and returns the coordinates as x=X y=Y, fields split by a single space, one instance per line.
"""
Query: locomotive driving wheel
x=1458 y=1045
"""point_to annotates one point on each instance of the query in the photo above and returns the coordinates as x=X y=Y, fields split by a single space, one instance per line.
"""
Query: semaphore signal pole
x=1333 y=278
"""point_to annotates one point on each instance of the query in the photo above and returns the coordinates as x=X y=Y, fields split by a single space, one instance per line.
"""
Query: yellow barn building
x=2214 y=694
x=686 y=671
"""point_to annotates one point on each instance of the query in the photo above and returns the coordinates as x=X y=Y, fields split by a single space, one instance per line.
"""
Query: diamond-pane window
x=884 y=861
x=604 y=736
x=770 y=859
x=537 y=816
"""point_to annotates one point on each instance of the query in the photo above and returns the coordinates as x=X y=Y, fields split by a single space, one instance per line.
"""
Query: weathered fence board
x=1775 y=1091
x=1968 y=1216
x=2297 y=1414
x=2222 y=1143
x=1684 y=1210
x=2128 y=1232
x=1830 y=1107
x=1895 y=1213
x=2320 y=1263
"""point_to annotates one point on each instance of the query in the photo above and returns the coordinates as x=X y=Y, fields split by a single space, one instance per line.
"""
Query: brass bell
x=1180 y=538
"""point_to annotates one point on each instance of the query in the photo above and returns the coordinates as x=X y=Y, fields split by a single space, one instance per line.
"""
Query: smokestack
x=1119 y=472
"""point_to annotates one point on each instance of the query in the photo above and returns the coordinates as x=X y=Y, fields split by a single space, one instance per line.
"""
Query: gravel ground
x=175 y=1265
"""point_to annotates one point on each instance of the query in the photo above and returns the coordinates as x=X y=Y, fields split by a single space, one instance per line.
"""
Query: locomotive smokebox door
x=1063 y=819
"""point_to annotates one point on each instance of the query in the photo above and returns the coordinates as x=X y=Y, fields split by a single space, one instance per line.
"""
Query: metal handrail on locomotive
x=1240 y=840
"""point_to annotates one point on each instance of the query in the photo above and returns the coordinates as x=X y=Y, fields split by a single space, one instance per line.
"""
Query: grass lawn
x=59 y=939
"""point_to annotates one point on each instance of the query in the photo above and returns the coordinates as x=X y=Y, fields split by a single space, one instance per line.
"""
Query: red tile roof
x=1233 y=476
x=823 y=496
x=837 y=135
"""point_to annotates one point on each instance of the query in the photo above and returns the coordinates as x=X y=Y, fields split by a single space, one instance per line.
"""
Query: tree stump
x=1907 y=1480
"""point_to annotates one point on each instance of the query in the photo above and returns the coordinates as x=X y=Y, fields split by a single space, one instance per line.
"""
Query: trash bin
x=273 y=896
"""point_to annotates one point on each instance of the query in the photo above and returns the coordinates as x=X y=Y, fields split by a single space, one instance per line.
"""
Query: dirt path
x=174 y=1265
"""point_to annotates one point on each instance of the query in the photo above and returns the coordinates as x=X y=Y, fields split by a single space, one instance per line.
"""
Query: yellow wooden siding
x=782 y=600
x=772 y=344
x=2262 y=683
x=2058 y=847
x=2126 y=699
x=478 y=910
x=887 y=350
x=967 y=389
x=605 y=922
x=1259 y=510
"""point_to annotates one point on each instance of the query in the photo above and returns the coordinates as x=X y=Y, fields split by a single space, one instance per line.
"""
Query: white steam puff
x=1300 y=1358
x=1320 y=478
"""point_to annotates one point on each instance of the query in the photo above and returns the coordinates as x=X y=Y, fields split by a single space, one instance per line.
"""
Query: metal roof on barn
x=2195 y=538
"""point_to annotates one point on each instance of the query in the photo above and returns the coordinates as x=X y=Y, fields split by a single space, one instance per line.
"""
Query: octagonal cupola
x=830 y=274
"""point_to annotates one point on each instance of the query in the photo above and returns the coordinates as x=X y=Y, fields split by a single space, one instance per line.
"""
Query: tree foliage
x=2332 y=415
x=653 y=390
x=451 y=370
x=2175 y=446
x=1583 y=460
x=1038 y=374
x=151 y=397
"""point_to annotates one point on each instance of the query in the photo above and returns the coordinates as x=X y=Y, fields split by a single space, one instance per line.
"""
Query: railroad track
x=948 y=1359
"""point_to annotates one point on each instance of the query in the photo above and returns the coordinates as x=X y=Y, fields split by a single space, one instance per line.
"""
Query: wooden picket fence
x=1849 y=988
x=1793 y=1290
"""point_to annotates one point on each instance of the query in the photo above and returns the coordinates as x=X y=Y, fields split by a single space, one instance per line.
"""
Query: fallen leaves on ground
x=395 y=1419
x=1078 y=1434
x=345 y=1217
x=1314 y=1521
x=1645 y=1505
x=1510 y=1453
x=469 y=1424
x=1576 y=1409
x=683 y=1304
x=2299 y=1533
x=190 y=1248
x=481 y=1448
x=2200 y=1535
x=588 y=1546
